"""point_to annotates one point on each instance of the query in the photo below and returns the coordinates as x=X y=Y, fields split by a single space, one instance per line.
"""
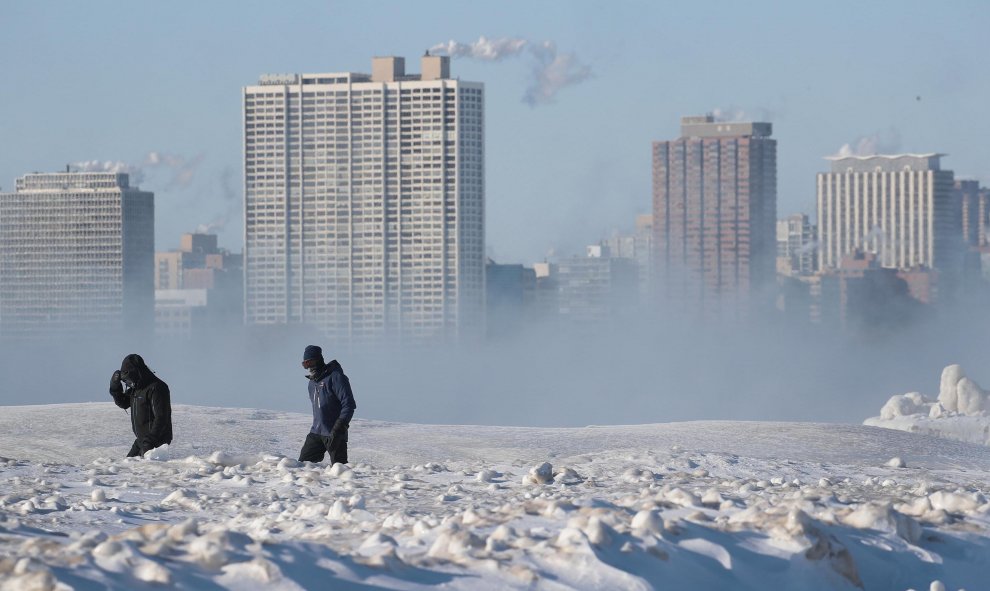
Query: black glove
x=339 y=427
x=115 y=387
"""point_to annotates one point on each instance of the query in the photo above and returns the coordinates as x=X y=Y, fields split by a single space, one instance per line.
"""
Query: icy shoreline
x=708 y=505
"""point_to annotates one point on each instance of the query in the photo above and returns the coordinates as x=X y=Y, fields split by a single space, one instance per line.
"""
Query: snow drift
x=704 y=505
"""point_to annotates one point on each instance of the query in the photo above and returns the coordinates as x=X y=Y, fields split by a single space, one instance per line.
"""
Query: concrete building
x=364 y=203
x=797 y=246
x=899 y=207
x=861 y=295
x=595 y=290
x=510 y=297
x=198 y=288
x=637 y=247
x=76 y=255
x=975 y=203
x=714 y=211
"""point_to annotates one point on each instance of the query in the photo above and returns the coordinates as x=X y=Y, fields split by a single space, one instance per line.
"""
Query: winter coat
x=151 y=409
x=332 y=400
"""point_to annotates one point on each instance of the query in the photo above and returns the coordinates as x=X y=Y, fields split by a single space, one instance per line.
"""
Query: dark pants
x=135 y=450
x=316 y=446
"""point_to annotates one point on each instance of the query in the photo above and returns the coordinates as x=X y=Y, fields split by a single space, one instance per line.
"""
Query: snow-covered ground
x=699 y=505
x=958 y=412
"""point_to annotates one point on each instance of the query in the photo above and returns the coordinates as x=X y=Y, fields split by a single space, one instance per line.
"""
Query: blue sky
x=117 y=81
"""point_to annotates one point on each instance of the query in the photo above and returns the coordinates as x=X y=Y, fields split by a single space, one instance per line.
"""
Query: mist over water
x=641 y=371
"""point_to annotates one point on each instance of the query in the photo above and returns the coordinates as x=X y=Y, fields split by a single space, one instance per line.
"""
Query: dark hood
x=134 y=365
x=328 y=369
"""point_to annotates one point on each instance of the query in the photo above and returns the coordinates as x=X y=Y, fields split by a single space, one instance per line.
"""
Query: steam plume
x=231 y=204
x=733 y=114
x=181 y=169
x=551 y=70
x=886 y=141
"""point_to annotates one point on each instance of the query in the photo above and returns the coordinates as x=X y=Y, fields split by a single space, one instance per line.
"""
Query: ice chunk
x=150 y=571
x=159 y=454
x=881 y=516
x=648 y=521
x=636 y=475
x=338 y=511
x=486 y=476
x=947 y=393
x=896 y=462
x=679 y=496
x=210 y=550
x=337 y=470
x=567 y=476
x=953 y=502
x=970 y=399
x=900 y=405
x=182 y=498
x=541 y=474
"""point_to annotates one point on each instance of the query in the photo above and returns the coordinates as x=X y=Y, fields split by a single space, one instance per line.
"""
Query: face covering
x=130 y=378
x=312 y=367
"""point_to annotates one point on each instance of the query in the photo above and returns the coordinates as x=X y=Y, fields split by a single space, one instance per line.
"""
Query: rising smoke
x=552 y=70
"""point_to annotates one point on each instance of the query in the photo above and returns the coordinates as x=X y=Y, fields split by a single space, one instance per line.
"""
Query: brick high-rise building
x=364 y=204
x=714 y=217
x=76 y=255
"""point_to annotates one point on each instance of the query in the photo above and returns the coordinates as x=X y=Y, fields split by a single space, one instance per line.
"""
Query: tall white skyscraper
x=900 y=207
x=76 y=255
x=364 y=202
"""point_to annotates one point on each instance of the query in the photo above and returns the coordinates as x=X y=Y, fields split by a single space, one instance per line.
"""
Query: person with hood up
x=333 y=406
x=135 y=387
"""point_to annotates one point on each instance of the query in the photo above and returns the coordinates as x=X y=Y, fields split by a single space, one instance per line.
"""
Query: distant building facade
x=899 y=207
x=364 y=204
x=637 y=247
x=975 y=203
x=596 y=289
x=861 y=295
x=76 y=255
x=714 y=215
x=797 y=247
x=198 y=288
x=510 y=297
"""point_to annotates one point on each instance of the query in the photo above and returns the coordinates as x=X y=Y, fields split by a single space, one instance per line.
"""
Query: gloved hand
x=339 y=428
x=115 y=386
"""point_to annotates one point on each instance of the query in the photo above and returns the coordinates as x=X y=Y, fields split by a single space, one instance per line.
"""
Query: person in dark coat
x=137 y=388
x=333 y=406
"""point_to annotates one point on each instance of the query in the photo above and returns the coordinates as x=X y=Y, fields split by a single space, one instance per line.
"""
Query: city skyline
x=558 y=178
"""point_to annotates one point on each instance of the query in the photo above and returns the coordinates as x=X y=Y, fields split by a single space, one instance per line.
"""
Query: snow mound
x=958 y=412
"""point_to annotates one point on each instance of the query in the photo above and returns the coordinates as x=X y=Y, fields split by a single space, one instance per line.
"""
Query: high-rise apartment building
x=975 y=202
x=900 y=207
x=76 y=255
x=797 y=248
x=714 y=215
x=596 y=290
x=364 y=202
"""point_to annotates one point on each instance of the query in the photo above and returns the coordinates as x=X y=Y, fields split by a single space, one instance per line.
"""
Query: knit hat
x=313 y=352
